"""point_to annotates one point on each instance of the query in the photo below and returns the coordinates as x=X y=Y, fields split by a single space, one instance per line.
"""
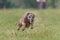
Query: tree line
x=27 y=3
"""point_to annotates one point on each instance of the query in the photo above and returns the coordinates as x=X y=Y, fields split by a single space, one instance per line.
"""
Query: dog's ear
x=28 y=14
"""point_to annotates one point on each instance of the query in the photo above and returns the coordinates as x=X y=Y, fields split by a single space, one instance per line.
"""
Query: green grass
x=46 y=25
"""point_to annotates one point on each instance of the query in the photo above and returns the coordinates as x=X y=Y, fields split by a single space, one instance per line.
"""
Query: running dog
x=26 y=21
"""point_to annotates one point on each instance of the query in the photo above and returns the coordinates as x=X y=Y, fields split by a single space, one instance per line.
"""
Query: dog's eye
x=29 y=16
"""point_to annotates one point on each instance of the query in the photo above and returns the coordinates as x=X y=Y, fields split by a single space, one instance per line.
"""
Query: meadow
x=46 y=25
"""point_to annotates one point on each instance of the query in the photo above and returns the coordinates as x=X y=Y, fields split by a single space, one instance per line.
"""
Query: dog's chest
x=27 y=25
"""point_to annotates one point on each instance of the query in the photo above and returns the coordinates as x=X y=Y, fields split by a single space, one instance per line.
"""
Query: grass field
x=46 y=25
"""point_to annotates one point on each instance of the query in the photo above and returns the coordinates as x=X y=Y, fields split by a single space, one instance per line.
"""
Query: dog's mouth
x=30 y=21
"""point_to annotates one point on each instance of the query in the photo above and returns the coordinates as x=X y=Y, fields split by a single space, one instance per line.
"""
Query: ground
x=46 y=25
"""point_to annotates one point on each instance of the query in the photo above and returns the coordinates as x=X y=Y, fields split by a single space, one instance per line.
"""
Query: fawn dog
x=26 y=21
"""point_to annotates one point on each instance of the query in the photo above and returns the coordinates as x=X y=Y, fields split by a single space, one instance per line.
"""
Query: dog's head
x=30 y=17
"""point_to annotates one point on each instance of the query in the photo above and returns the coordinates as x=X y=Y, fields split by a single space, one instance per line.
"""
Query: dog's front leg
x=24 y=25
x=19 y=26
x=31 y=25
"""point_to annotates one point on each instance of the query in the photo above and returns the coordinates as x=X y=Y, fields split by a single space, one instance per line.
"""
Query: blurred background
x=46 y=23
x=29 y=4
